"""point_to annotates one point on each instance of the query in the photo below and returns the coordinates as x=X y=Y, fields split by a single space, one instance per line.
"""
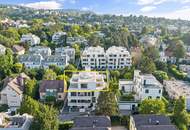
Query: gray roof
x=52 y=84
x=158 y=127
x=92 y=123
x=30 y=58
x=153 y=122
x=55 y=58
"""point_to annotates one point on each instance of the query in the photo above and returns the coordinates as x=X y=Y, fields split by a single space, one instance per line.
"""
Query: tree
x=6 y=64
x=17 y=67
x=152 y=53
x=49 y=75
x=152 y=106
x=70 y=67
x=31 y=87
x=161 y=76
x=106 y=104
x=161 y=66
x=180 y=116
x=147 y=65
x=46 y=118
x=115 y=74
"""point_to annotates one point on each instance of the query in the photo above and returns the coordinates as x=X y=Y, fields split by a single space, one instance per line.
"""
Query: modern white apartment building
x=177 y=88
x=146 y=86
x=2 y=49
x=59 y=37
x=84 y=90
x=118 y=58
x=94 y=57
x=70 y=52
x=113 y=58
x=44 y=51
x=31 y=39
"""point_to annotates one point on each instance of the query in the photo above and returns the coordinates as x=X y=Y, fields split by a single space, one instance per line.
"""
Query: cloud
x=182 y=13
x=85 y=8
x=151 y=2
x=147 y=8
x=44 y=5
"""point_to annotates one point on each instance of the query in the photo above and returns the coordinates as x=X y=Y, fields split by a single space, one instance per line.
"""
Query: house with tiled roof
x=92 y=123
x=52 y=88
x=12 y=91
x=18 y=50
x=151 y=122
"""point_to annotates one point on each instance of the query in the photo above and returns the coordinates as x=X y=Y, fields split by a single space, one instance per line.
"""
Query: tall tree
x=107 y=104
x=180 y=116
x=152 y=106
x=147 y=65
x=49 y=75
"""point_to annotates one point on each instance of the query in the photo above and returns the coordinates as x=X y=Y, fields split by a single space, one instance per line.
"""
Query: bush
x=115 y=120
x=4 y=108
x=65 y=125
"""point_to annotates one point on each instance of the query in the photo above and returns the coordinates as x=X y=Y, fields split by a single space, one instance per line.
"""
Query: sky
x=173 y=9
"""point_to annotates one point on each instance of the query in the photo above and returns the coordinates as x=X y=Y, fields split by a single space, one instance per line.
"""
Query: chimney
x=149 y=120
x=20 y=80
x=94 y=123
x=157 y=122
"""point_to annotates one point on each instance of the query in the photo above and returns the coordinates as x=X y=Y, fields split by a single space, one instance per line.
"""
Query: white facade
x=163 y=57
x=56 y=37
x=84 y=90
x=177 y=88
x=12 y=92
x=31 y=39
x=113 y=58
x=78 y=40
x=126 y=86
x=118 y=58
x=44 y=51
x=146 y=86
x=94 y=57
x=148 y=40
x=2 y=49
x=70 y=52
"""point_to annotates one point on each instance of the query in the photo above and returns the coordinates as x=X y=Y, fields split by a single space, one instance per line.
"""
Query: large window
x=83 y=85
x=146 y=91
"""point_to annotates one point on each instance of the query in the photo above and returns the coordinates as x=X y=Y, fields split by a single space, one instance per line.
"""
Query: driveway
x=118 y=128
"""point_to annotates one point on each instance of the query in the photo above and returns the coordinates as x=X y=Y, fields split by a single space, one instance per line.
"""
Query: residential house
x=52 y=88
x=146 y=86
x=92 y=123
x=18 y=50
x=151 y=122
x=31 y=39
x=177 y=88
x=31 y=60
x=2 y=49
x=61 y=61
x=59 y=38
x=84 y=90
x=42 y=50
x=94 y=57
x=70 y=52
x=79 y=40
x=113 y=58
x=16 y=122
x=118 y=58
x=12 y=91
x=126 y=86
x=148 y=41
